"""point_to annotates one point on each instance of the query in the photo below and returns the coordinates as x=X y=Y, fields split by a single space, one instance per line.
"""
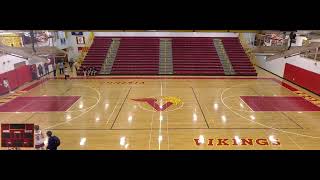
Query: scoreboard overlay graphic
x=17 y=135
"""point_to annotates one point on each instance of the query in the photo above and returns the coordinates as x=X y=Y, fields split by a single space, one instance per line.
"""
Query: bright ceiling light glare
x=299 y=112
x=252 y=117
x=160 y=138
x=161 y=104
x=97 y=118
x=215 y=106
x=126 y=146
x=122 y=141
x=241 y=105
x=81 y=105
x=195 y=117
x=272 y=139
x=68 y=117
x=223 y=118
x=83 y=141
x=238 y=140
x=106 y=106
x=161 y=117
x=201 y=139
x=129 y=118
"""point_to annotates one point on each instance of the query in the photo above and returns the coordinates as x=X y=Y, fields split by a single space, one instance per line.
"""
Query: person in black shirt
x=46 y=68
x=40 y=69
x=53 y=141
x=292 y=39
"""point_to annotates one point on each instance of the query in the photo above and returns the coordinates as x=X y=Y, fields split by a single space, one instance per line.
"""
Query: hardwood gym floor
x=156 y=112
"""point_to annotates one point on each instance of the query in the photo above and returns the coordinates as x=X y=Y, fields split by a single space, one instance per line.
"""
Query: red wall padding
x=16 y=78
x=304 y=78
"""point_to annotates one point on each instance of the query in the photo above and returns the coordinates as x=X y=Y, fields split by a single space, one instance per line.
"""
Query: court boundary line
x=290 y=119
x=146 y=129
x=125 y=99
x=116 y=105
x=246 y=104
x=74 y=103
x=162 y=77
x=205 y=119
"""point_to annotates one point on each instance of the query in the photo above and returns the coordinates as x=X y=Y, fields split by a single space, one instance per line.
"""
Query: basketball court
x=169 y=112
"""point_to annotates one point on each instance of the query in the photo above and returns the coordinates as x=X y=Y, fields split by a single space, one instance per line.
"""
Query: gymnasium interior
x=161 y=90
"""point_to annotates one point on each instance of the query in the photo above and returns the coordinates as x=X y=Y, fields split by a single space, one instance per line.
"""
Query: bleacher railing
x=247 y=46
x=85 y=49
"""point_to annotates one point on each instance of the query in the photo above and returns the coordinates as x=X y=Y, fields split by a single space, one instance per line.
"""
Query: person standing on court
x=53 y=141
x=38 y=138
x=40 y=69
x=76 y=65
x=54 y=68
x=66 y=73
x=71 y=62
x=61 y=67
x=46 y=68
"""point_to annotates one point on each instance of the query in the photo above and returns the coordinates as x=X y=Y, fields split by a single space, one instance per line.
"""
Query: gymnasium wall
x=304 y=78
x=306 y=72
x=7 y=62
x=16 y=78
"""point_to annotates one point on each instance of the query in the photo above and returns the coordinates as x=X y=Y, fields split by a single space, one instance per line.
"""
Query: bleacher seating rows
x=191 y=56
x=195 y=56
x=238 y=58
x=137 y=56
x=96 y=54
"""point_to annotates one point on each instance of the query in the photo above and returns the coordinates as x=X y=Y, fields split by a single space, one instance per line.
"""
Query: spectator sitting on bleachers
x=89 y=71
x=94 y=71
x=84 y=69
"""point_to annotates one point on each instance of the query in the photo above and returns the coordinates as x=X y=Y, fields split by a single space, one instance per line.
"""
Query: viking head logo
x=161 y=103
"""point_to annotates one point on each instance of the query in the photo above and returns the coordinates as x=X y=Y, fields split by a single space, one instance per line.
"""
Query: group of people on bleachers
x=89 y=71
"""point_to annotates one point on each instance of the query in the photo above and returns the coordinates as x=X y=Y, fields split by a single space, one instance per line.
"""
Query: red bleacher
x=137 y=56
x=195 y=56
x=190 y=56
x=238 y=58
x=96 y=54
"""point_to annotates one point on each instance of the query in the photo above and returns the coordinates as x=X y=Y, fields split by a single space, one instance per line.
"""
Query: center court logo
x=160 y=103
